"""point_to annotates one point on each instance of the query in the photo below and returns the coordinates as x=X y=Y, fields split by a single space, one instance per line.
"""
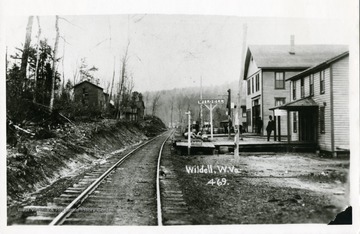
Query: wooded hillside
x=171 y=105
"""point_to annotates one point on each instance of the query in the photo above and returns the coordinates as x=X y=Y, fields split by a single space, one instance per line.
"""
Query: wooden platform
x=196 y=147
x=267 y=146
x=244 y=146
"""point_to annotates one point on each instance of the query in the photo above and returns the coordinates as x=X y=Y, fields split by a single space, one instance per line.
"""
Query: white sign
x=211 y=101
x=232 y=105
x=278 y=112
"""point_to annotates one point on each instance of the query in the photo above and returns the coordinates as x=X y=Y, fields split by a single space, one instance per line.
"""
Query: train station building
x=318 y=111
x=268 y=72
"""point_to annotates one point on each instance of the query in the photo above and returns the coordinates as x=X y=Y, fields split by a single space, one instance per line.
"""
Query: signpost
x=189 y=131
x=211 y=108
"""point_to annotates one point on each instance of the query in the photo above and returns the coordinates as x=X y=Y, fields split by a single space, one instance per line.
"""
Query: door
x=307 y=126
x=255 y=115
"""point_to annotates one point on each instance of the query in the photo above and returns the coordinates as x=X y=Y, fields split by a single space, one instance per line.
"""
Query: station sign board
x=211 y=101
x=279 y=112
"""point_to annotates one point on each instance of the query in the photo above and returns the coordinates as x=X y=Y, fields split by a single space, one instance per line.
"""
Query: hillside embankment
x=67 y=150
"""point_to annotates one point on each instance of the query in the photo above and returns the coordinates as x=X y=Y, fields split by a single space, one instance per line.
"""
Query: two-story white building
x=267 y=71
x=318 y=110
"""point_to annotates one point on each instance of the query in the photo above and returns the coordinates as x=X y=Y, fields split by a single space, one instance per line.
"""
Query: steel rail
x=60 y=218
x=158 y=198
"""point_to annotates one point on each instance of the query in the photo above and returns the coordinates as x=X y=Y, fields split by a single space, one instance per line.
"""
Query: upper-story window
x=257 y=86
x=302 y=89
x=322 y=82
x=248 y=87
x=279 y=80
x=311 y=83
x=252 y=85
x=294 y=89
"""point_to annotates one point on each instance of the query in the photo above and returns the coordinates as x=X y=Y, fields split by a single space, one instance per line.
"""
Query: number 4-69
x=217 y=181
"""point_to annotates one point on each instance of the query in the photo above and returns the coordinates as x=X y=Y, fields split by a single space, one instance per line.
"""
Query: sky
x=169 y=51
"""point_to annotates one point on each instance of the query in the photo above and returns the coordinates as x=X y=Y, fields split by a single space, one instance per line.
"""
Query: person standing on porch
x=270 y=127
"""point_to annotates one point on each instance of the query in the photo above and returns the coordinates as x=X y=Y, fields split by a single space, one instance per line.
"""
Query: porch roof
x=305 y=102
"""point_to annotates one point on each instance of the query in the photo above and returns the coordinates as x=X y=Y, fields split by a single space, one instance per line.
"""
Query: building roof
x=278 y=56
x=304 y=102
x=85 y=81
x=319 y=66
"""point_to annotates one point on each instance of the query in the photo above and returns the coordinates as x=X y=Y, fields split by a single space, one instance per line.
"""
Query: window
x=302 y=90
x=252 y=85
x=279 y=80
x=294 y=90
x=322 y=119
x=322 y=82
x=311 y=85
x=279 y=101
x=248 y=86
x=257 y=82
x=295 y=122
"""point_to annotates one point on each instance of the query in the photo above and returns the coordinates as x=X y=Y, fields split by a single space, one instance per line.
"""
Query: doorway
x=255 y=115
x=307 y=125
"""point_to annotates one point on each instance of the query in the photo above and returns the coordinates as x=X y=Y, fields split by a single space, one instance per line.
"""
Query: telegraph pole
x=238 y=111
x=201 y=106
x=189 y=131
x=229 y=113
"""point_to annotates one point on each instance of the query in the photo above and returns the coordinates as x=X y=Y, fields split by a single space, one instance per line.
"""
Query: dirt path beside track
x=263 y=188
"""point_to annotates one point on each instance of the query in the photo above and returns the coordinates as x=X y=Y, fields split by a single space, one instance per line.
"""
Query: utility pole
x=54 y=64
x=201 y=106
x=189 y=131
x=238 y=111
x=229 y=112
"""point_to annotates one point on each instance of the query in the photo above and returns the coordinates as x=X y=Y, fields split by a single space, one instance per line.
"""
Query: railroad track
x=140 y=188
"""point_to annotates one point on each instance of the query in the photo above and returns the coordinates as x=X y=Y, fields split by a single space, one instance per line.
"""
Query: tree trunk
x=63 y=70
x=54 y=64
x=112 y=83
x=123 y=71
x=37 y=58
x=25 y=54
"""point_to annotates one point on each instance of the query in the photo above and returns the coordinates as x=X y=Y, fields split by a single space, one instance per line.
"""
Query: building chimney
x=292 y=44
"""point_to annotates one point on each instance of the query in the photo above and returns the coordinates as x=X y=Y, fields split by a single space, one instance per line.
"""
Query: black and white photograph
x=196 y=118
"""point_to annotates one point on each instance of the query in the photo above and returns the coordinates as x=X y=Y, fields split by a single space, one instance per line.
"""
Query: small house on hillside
x=267 y=68
x=319 y=108
x=90 y=95
x=136 y=108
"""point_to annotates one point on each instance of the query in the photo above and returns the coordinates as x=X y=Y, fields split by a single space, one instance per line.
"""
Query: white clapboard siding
x=270 y=93
x=340 y=72
x=324 y=139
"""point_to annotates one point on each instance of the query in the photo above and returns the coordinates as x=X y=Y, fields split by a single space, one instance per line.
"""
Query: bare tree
x=155 y=103
x=63 y=68
x=179 y=106
x=37 y=58
x=112 y=82
x=124 y=61
x=130 y=84
x=76 y=73
x=146 y=102
x=25 y=54
x=54 y=64
x=171 y=110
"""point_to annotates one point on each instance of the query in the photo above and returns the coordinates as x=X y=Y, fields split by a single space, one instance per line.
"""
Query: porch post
x=288 y=130
x=275 y=125
x=279 y=128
